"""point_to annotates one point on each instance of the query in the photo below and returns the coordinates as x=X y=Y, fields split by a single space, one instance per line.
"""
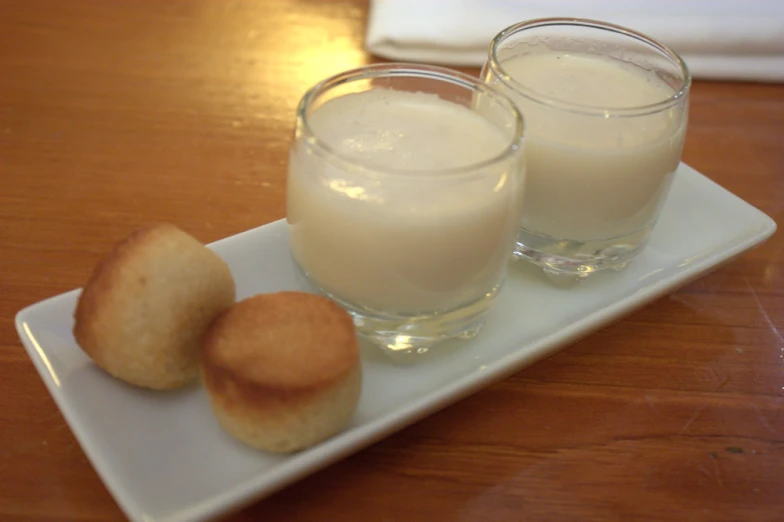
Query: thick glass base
x=569 y=260
x=403 y=336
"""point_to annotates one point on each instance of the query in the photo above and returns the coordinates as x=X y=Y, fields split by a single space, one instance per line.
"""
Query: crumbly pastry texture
x=146 y=306
x=282 y=370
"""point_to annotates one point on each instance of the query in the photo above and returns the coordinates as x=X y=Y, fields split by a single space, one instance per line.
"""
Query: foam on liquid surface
x=404 y=130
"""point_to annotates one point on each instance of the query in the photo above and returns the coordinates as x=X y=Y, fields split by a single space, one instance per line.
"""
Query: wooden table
x=114 y=113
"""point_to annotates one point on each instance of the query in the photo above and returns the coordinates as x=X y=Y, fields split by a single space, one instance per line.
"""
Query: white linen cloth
x=718 y=39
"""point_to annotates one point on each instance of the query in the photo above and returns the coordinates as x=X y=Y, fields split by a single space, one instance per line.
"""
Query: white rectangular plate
x=164 y=457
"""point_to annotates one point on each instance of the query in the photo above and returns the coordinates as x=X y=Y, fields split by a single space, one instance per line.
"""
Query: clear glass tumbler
x=606 y=110
x=404 y=197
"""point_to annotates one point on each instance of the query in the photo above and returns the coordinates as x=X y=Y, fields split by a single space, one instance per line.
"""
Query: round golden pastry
x=143 y=312
x=282 y=370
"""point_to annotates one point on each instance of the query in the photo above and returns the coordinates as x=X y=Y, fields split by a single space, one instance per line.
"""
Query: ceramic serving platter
x=164 y=457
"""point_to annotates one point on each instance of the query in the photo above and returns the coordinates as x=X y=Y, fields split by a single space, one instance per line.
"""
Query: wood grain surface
x=115 y=113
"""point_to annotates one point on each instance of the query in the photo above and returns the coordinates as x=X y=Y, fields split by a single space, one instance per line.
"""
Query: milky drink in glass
x=386 y=218
x=604 y=138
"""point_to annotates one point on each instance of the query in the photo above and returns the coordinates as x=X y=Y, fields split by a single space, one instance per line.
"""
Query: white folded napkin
x=718 y=39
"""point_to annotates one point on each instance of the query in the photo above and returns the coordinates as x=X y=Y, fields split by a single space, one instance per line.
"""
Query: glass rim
x=402 y=69
x=495 y=65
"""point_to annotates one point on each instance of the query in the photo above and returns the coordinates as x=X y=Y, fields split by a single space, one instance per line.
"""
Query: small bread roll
x=282 y=370
x=143 y=312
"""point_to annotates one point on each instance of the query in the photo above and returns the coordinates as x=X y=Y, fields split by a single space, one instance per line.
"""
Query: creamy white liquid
x=414 y=241
x=592 y=177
